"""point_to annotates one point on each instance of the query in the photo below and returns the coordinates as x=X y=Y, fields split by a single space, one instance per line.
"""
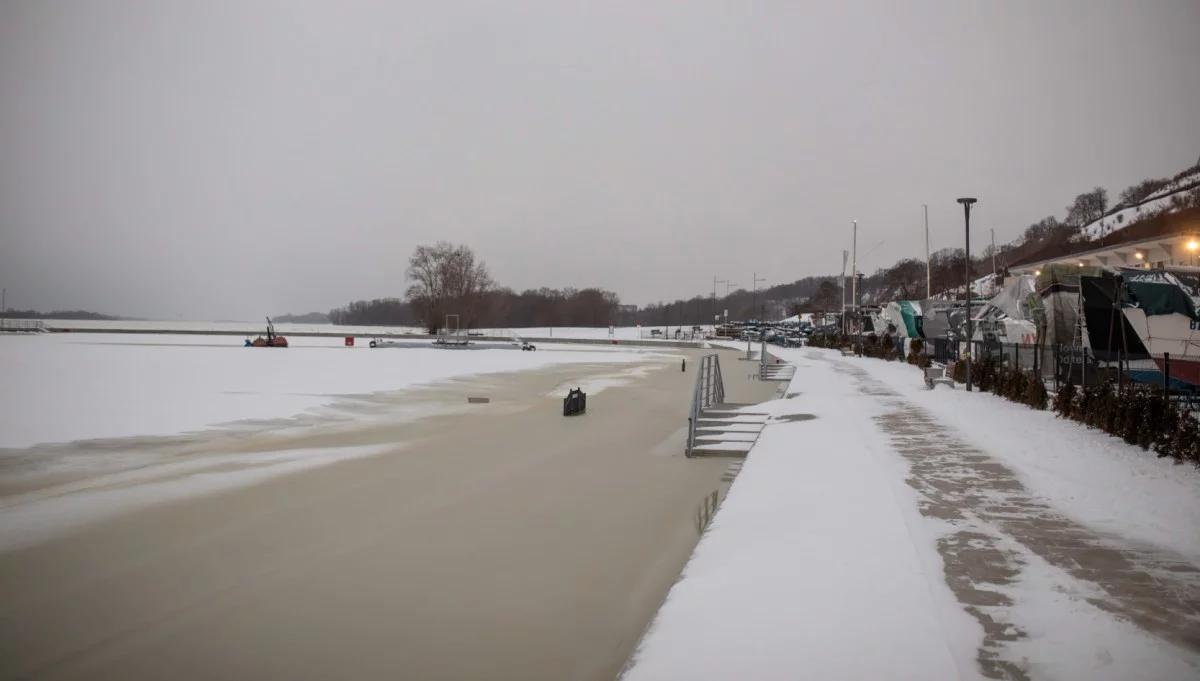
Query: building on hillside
x=1166 y=241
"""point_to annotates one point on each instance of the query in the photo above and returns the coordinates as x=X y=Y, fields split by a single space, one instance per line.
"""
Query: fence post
x=1056 y=368
x=1166 y=374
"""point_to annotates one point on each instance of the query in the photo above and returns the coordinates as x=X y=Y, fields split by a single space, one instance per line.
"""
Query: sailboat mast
x=928 y=265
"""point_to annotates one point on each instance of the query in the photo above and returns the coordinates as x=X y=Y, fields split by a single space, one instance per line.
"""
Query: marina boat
x=272 y=339
x=1146 y=318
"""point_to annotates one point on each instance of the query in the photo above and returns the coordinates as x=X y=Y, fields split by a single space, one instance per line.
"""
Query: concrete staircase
x=728 y=430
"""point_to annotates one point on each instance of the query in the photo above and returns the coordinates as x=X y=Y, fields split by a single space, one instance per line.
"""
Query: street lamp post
x=966 y=204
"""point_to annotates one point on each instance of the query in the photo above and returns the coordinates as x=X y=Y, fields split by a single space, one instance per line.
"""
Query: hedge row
x=1024 y=387
x=1139 y=415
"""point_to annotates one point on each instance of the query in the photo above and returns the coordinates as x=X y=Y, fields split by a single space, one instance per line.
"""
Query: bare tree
x=447 y=280
x=1088 y=207
x=903 y=277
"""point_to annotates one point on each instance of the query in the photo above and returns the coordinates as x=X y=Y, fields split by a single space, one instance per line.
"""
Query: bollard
x=575 y=403
x=683 y=365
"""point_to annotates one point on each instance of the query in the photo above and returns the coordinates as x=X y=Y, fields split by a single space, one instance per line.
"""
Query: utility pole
x=714 y=299
x=3 y=308
x=754 y=295
x=966 y=204
x=854 y=267
x=928 y=264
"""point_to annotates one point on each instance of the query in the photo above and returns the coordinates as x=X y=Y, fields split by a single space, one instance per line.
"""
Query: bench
x=935 y=376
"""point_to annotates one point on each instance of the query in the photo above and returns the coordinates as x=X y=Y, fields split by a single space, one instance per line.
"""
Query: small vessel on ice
x=272 y=340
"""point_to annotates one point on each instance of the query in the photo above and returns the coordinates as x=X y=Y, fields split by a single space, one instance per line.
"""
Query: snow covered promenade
x=880 y=530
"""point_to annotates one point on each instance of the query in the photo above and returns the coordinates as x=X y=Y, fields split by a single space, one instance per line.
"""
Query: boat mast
x=928 y=265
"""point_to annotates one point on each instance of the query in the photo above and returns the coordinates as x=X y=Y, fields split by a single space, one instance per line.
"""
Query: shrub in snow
x=1064 y=401
x=1139 y=415
x=1035 y=392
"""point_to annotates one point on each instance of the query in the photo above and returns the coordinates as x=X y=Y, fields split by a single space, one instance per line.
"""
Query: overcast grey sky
x=226 y=160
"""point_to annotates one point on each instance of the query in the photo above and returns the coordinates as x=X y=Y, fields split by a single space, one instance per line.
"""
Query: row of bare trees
x=448 y=279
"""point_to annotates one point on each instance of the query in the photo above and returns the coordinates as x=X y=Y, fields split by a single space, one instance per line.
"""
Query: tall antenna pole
x=714 y=301
x=754 y=303
x=928 y=264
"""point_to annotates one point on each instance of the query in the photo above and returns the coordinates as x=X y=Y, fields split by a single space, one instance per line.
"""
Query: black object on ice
x=575 y=403
x=683 y=365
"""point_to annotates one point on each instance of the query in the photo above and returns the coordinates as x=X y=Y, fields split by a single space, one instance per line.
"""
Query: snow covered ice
x=65 y=387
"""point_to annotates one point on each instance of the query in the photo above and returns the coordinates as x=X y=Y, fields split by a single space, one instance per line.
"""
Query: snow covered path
x=897 y=533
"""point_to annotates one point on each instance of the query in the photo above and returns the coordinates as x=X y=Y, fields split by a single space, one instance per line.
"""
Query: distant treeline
x=309 y=318
x=497 y=308
x=57 y=314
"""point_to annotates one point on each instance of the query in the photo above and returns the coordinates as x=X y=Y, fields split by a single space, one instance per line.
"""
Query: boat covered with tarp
x=904 y=316
x=1145 y=321
x=1056 y=310
x=1010 y=316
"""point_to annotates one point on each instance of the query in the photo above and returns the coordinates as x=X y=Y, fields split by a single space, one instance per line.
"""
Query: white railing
x=709 y=390
x=25 y=325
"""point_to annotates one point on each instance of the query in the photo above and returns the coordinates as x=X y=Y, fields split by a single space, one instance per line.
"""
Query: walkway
x=868 y=538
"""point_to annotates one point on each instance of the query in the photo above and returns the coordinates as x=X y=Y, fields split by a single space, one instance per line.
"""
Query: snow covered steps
x=728 y=430
x=776 y=372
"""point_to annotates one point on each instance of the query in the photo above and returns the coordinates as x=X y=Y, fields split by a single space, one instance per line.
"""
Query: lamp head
x=966 y=201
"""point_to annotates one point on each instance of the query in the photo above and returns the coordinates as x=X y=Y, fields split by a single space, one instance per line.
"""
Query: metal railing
x=709 y=390
x=23 y=325
x=772 y=368
x=1058 y=365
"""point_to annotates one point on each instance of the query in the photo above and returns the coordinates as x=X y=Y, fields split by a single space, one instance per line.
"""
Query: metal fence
x=709 y=390
x=1062 y=364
